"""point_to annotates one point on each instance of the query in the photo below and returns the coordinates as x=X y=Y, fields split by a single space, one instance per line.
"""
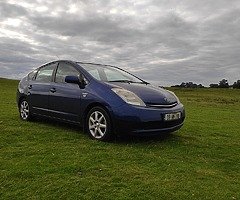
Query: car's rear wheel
x=24 y=110
x=98 y=124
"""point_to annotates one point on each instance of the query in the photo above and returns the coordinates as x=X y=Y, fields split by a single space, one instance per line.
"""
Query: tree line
x=222 y=84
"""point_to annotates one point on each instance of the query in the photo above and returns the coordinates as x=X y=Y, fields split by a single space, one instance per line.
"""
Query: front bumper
x=128 y=119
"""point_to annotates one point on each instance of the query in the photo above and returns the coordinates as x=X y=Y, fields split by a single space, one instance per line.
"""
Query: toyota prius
x=104 y=99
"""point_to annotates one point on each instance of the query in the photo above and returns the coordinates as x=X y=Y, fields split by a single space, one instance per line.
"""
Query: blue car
x=104 y=99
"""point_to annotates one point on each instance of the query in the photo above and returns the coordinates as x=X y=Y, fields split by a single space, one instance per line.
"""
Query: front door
x=65 y=98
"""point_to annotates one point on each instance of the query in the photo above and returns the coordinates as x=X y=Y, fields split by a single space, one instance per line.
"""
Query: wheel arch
x=20 y=99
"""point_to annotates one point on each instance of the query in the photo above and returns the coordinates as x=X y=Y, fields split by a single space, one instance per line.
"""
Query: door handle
x=30 y=87
x=53 y=90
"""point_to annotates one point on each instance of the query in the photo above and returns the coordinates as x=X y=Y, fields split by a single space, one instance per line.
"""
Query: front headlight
x=128 y=97
x=178 y=101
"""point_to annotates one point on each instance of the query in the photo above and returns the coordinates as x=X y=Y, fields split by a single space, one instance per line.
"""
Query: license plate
x=172 y=116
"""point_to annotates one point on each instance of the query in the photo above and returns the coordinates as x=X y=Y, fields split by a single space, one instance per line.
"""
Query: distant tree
x=183 y=85
x=236 y=84
x=213 y=85
x=175 y=86
x=200 y=86
x=189 y=85
x=223 y=84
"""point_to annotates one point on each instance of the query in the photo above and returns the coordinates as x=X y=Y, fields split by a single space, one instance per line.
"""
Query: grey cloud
x=98 y=28
x=167 y=42
x=11 y=10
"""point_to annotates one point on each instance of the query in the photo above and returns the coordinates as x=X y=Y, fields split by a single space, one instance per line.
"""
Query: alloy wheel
x=24 y=110
x=97 y=124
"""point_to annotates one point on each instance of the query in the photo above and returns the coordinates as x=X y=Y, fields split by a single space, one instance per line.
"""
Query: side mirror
x=72 y=79
x=76 y=80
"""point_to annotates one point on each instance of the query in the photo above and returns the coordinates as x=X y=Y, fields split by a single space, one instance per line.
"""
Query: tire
x=24 y=110
x=98 y=124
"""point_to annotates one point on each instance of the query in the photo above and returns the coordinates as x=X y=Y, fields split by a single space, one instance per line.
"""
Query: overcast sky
x=163 y=41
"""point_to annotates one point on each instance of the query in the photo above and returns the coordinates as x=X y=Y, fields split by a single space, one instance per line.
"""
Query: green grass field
x=51 y=160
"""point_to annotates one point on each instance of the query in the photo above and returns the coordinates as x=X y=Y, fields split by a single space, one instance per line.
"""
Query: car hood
x=148 y=93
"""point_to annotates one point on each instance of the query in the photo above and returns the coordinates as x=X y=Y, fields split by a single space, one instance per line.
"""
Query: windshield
x=109 y=74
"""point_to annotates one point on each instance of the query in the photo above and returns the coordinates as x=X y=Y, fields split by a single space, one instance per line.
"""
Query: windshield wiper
x=122 y=81
x=145 y=82
x=129 y=81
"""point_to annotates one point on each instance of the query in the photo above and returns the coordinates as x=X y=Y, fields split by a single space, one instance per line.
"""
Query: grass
x=50 y=160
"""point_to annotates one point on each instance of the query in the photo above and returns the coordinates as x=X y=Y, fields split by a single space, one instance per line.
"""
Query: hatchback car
x=105 y=100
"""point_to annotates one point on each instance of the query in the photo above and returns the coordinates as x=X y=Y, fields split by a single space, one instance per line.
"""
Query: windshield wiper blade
x=145 y=82
x=122 y=81
x=129 y=81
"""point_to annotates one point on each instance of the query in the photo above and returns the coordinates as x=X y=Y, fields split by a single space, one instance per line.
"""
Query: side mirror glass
x=72 y=79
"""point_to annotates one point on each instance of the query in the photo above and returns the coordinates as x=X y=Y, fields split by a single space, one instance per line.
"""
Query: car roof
x=91 y=63
x=79 y=62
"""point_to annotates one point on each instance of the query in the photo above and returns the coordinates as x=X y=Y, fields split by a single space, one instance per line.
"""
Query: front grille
x=162 y=105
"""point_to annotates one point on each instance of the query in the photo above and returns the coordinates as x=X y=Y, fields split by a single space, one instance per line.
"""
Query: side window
x=63 y=70
x=45 y=73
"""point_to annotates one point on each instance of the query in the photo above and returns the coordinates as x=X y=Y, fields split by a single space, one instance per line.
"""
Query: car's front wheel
x=24 y=110
x=98 y=124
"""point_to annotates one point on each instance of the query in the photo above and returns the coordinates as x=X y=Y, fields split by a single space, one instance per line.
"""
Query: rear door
x=38 y=89
x=65 y=98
